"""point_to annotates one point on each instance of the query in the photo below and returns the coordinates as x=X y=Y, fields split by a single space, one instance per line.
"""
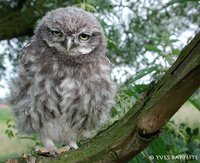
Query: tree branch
x=144 y=121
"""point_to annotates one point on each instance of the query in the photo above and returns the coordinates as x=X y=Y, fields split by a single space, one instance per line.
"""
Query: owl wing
x=23 y=59
x=18 y=87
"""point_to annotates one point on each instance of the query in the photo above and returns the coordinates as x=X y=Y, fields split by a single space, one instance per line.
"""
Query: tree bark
x=144 y=121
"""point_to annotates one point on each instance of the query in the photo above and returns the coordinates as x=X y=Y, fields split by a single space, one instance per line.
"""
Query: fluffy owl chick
x=63 y=90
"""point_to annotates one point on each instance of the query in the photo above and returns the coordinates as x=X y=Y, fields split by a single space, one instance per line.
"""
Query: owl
x=63 y=89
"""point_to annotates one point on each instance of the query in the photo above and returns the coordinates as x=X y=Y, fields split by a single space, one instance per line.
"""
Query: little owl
x=63 y=90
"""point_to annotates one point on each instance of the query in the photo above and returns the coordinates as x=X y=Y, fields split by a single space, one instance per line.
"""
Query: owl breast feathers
x=63 y=89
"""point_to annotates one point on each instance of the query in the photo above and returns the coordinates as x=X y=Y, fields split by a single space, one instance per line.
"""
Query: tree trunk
x=145 y=120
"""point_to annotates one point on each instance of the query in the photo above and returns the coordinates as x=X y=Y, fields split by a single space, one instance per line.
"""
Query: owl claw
x=54 y=153
x=64 y=149
x=47 y=152
x=71 y=148
x=73 y=145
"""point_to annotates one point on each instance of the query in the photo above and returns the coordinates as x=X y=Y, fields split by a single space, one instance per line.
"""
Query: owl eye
x=84 y=36
x=56 y=32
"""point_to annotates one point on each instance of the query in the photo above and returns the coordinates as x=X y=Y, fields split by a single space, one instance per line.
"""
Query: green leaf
x=158 y=147
x=9 y=133
x=140 y=88
x=8 y=121
x=176 y=51
x=111 y=43
x=152 y=48
x=86 y=6
x=141 y=74
x=195 y=101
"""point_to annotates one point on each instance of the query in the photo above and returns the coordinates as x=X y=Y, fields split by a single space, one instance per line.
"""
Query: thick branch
x=130 y=135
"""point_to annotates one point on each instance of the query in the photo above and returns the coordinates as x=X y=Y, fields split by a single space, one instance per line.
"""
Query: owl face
x=71 y=31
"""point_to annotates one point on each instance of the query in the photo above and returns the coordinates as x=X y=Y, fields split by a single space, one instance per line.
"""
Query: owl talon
x=64 y=149
x=73 y=145
x=44 y=152
x=54 y=153
x=72 y=148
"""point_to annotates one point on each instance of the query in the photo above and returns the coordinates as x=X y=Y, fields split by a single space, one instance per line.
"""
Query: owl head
x=71 y=31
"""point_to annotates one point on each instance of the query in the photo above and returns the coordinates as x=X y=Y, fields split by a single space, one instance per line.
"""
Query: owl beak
x=69 y=43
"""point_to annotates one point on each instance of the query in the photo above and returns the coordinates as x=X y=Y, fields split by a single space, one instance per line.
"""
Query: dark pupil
x=84 y=36
x=55 y=32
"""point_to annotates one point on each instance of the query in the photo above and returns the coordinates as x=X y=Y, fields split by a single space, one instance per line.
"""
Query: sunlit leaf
x=86 y=6
x=176 y=51
x=141 y=74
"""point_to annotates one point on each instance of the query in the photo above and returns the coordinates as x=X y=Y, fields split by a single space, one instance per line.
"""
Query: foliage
x=10 y=126
x=144 y=38
x=174 y=141
x=195 y=100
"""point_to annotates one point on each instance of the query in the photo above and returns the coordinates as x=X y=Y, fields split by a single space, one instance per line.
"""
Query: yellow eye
x=56 y=33
x=84 y=36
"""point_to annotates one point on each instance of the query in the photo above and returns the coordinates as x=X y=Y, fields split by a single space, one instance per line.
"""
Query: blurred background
x=144 y=38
